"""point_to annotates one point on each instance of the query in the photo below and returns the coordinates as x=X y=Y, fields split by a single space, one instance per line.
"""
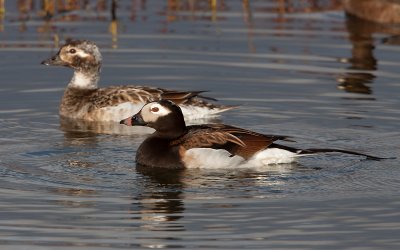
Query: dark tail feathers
x=331 y=150
x=328 y=150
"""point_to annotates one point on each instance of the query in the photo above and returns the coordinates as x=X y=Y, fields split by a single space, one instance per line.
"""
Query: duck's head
x=164 y=116
x=81 y=55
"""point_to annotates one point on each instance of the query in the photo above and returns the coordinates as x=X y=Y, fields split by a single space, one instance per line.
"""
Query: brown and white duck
x=84 y=100
x=175 y=145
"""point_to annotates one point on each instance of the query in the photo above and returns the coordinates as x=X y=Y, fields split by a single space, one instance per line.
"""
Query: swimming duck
x=84 y=100
x=175 y=145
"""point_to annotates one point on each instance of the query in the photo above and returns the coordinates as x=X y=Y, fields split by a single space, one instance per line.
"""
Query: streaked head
x=81 y=55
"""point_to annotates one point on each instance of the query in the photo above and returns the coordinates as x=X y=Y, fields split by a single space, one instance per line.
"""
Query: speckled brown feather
x=84 y=100
x=90 y=100
x=115 y=95
x=237 y=141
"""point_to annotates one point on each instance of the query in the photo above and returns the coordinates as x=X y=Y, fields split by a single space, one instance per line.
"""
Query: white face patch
x=70 y=52
x=74 y=51
x=152 y=111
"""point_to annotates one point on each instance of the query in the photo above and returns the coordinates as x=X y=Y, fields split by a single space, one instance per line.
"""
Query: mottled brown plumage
x=90 y=104
x=84 y=100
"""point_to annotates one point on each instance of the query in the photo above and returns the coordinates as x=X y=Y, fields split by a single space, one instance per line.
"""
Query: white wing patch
x=208 y=158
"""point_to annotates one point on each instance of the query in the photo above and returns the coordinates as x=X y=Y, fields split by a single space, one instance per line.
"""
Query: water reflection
x=362 y=58
x=77 y=193
x=210 y=7
x=65 y=10
x=380 y=11
x=73 y=127
x=162 y=197
x=2 y=12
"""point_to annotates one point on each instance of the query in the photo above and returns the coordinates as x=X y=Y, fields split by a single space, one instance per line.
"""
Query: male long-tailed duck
x=85 y=101
x=175 y=145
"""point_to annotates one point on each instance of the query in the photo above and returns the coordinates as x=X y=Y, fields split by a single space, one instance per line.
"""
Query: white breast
x=219 y=158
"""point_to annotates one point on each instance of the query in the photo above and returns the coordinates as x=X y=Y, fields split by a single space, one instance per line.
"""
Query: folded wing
x=235 y=140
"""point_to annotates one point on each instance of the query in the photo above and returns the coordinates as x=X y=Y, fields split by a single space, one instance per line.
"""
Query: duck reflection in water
x=93 y=128
x=164 y=192
x=362 y=54
x=161 y=199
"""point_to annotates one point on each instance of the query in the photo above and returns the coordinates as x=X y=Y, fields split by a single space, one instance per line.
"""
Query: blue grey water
x=323 y=78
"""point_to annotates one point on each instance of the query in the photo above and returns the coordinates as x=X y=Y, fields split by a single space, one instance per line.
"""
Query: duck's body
x=115 y=102
x=175 y=145
x=84 y=100
x=212 y=146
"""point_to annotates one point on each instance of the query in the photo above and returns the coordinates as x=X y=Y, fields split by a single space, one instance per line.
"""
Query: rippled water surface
x=302 y=70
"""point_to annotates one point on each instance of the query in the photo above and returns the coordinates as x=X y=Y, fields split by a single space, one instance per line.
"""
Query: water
x=323 y=78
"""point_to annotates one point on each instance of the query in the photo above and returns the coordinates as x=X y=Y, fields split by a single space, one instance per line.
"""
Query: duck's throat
x=84 y=80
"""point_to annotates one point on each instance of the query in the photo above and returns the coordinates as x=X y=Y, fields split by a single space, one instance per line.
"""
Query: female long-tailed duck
x=175 y=145
x=85 y=101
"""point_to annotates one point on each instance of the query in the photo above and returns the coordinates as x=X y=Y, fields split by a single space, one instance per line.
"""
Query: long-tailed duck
x=175 y=145
x=85 y=101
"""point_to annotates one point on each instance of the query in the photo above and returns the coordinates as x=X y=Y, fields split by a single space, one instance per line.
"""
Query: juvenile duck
x=175 y=145
x=84 y=100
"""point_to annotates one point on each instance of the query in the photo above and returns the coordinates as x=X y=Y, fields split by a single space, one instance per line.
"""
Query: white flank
x=271 y=156
x=219 y=158
x=195 y=112
x=117 y=113
x=210 y=158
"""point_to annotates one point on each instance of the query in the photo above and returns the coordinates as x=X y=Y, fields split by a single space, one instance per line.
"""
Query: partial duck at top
x=84 y=100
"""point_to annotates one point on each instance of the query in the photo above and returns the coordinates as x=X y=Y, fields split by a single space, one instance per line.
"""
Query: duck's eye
x=155 y=109
x=72 y=51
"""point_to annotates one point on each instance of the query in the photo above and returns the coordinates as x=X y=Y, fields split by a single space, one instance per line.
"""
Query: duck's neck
x=85 y=79
x=172 y=132
x=171 y=135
